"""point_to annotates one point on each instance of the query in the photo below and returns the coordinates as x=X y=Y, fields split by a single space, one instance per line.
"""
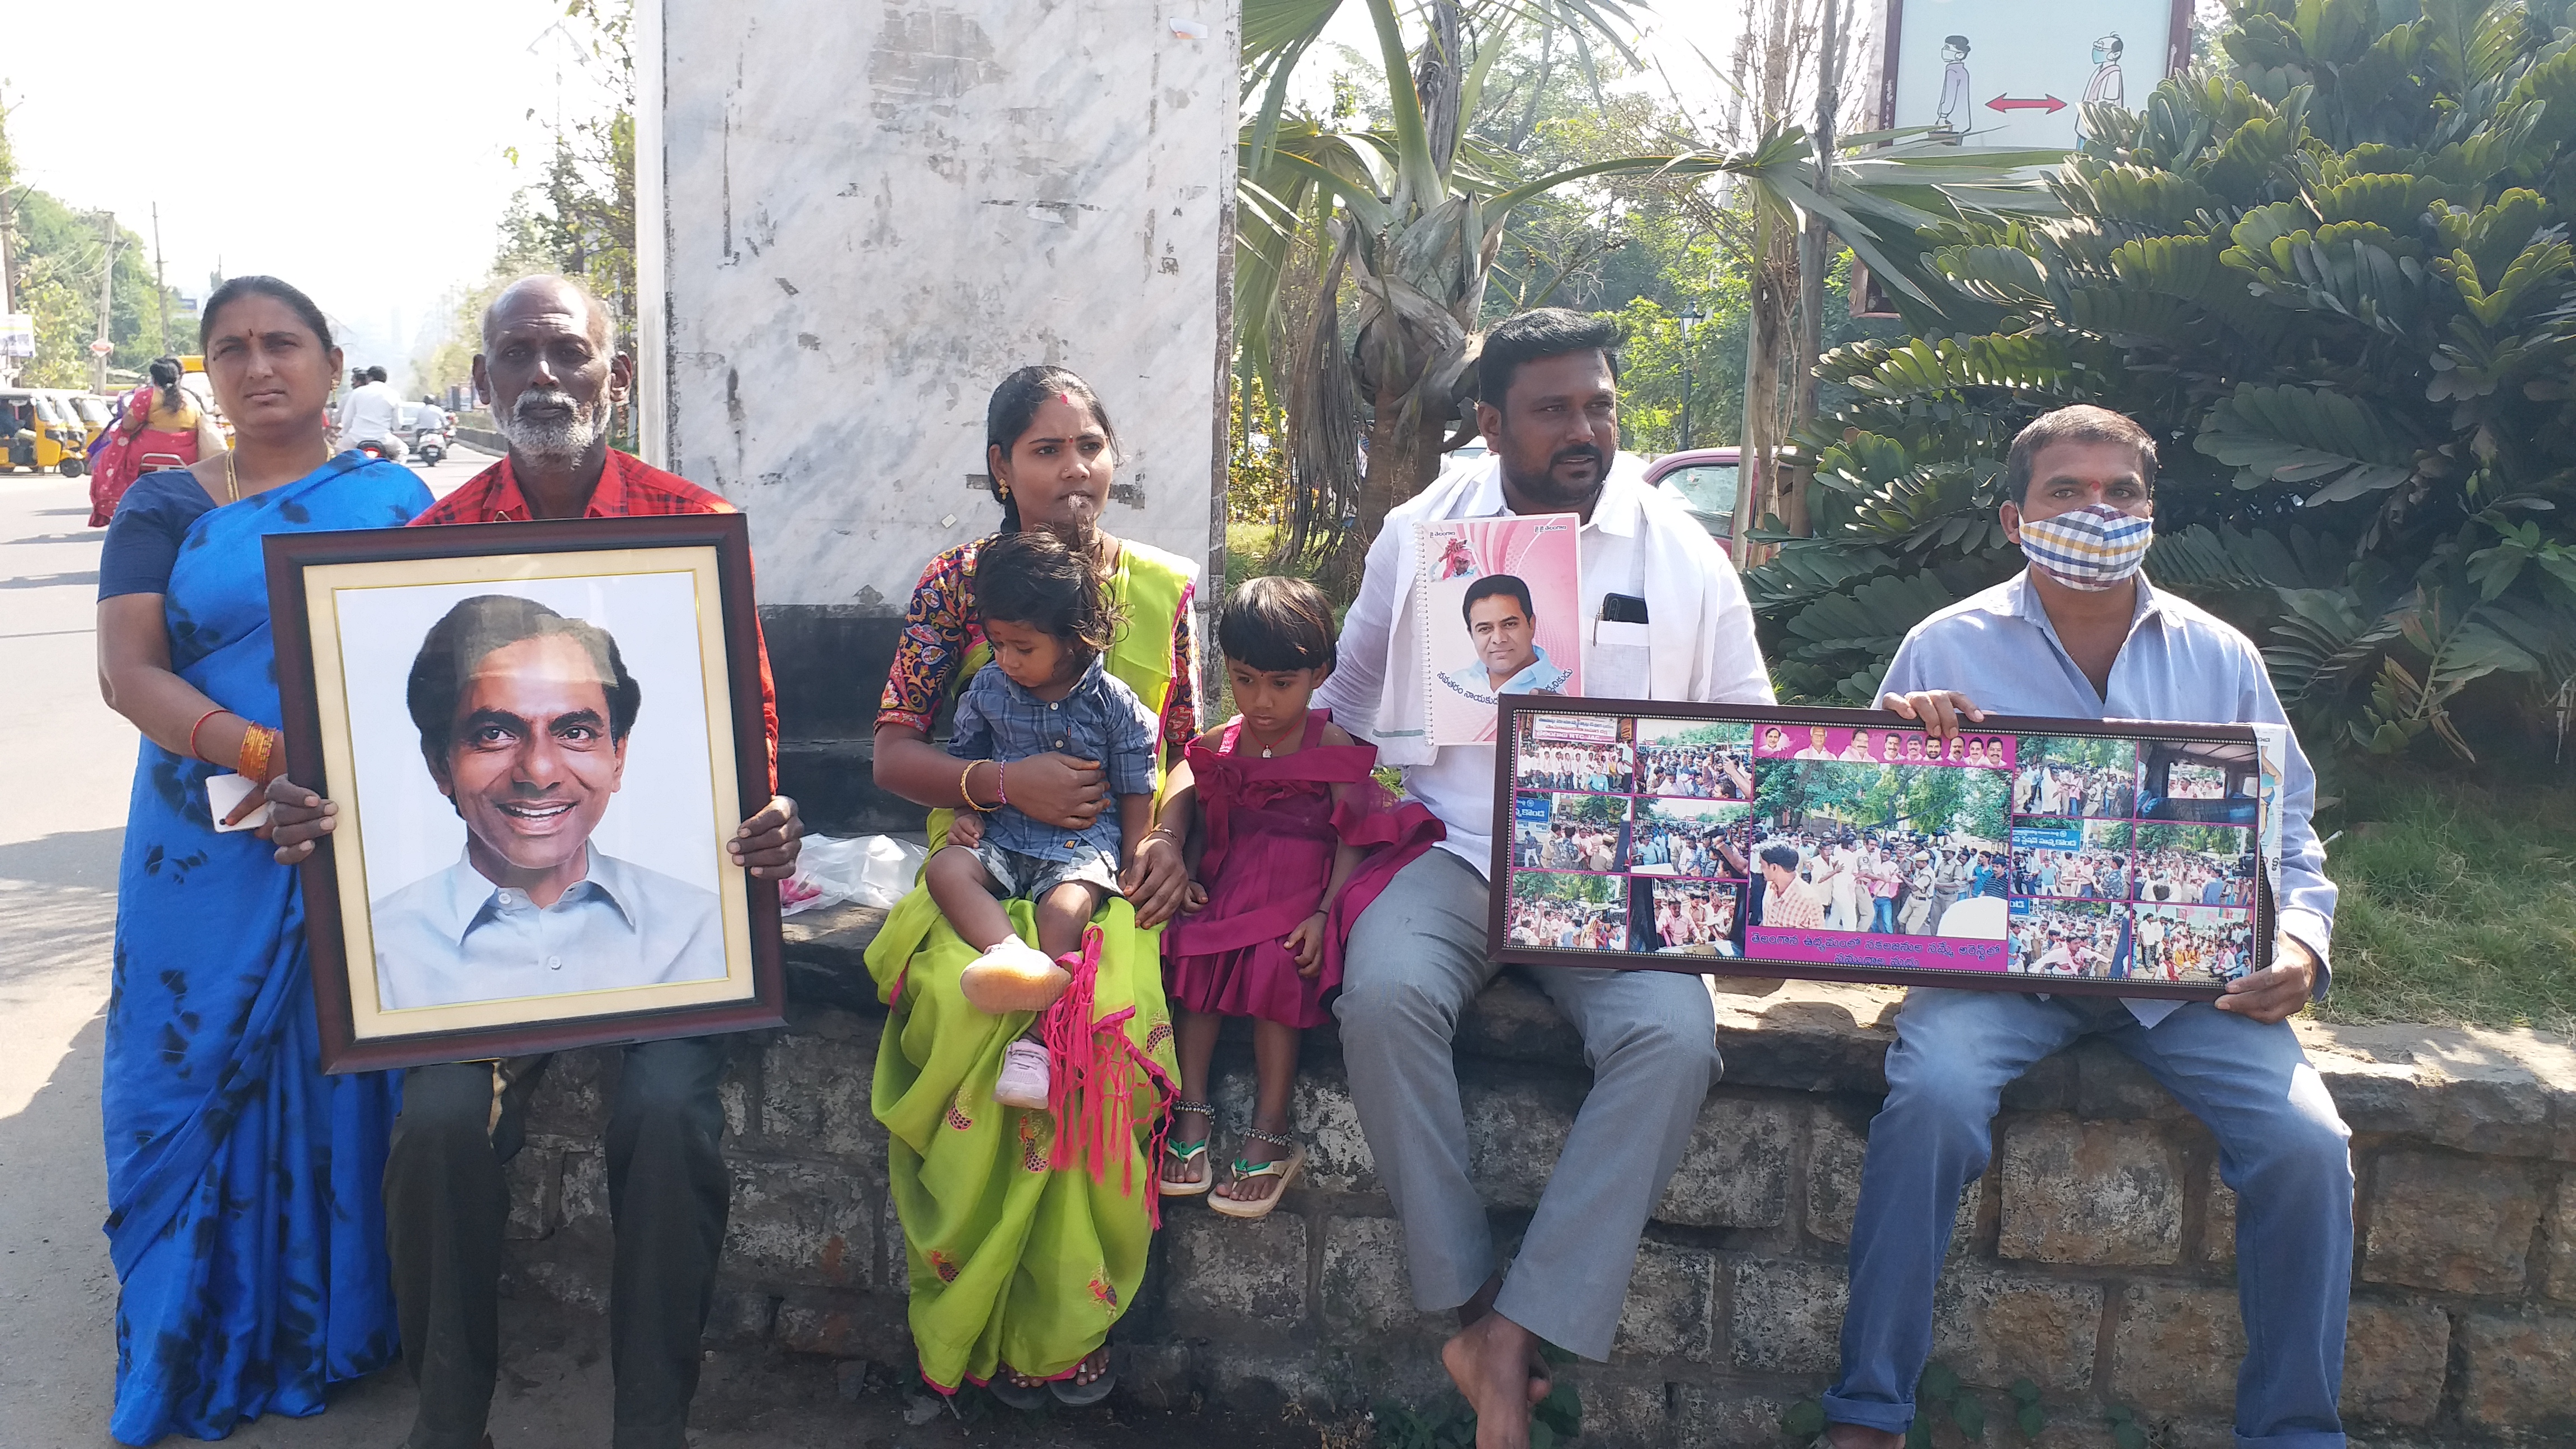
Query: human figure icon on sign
x=2107 y=87
x=1954 y=89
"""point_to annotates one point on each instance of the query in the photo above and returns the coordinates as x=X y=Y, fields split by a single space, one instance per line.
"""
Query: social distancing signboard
x=2019 y=73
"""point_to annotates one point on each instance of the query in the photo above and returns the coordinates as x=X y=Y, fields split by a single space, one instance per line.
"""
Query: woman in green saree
x=1023 y=1248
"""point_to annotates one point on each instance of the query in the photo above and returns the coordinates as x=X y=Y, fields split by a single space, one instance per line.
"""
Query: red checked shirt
x=628 y=487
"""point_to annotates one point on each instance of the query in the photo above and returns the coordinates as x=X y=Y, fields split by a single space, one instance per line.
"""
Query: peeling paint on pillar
x=935 y=194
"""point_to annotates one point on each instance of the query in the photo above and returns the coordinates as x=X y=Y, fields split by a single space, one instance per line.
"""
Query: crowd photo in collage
x=2113 y=839
x=2082 y=857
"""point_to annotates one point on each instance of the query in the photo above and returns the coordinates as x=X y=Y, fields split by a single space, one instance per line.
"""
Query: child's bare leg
x=1194 y=1041
x=1017 y=979
x=963 y=891
x=1274 y=1064
x=1063 y=912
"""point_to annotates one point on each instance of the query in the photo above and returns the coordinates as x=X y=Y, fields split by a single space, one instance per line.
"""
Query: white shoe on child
x=1024 y=1080
x=1013 y=976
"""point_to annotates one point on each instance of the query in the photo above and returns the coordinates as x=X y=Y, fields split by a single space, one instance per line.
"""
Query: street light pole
x=106 y=298
x=160 y=288
x=8 y=303
x=1690 y=319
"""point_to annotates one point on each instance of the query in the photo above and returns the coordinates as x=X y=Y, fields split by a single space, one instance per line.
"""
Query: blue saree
x=246 y=1219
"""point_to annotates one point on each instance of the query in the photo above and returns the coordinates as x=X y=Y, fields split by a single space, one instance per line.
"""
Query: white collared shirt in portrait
x=454 y=937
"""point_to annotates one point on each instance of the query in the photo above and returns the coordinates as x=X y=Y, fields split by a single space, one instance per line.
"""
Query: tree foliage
x=1410 y=216
x=579 y=218
x=55 y=254
x=2333 y=279
x=1931 y=800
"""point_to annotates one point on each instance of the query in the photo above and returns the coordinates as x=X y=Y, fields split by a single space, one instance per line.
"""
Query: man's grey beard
x=552 y=441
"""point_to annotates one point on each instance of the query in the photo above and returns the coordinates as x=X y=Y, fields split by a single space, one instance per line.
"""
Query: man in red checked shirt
x=554 y=379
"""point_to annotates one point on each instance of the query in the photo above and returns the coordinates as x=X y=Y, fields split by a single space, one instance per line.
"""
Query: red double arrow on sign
x=2050 y=104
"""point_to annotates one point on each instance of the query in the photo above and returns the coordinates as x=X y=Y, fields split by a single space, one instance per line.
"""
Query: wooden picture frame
x=1628 y=834
x=398 y=650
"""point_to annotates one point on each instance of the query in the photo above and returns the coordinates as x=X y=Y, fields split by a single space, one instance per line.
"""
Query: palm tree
x=1412 y=218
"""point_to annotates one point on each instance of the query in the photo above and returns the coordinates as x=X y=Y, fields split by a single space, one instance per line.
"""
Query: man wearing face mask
x=1679 y=629
x=2081 y=634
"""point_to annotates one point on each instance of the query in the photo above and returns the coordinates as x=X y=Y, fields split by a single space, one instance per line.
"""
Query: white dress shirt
x=370 y=414
x=1457 y=784
x=453 y=937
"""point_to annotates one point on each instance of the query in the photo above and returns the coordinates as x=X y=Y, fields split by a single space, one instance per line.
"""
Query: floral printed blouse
x=940 y=629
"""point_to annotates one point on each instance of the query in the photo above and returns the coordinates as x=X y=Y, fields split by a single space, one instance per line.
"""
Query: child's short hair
x=1031 y=577
x=1277 y=624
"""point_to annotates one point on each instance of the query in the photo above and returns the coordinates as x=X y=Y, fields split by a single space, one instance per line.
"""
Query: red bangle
x=192 y=733
x=1001 y=785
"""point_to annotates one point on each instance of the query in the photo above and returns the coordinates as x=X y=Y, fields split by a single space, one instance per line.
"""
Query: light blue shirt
x=1537 y=676
x=2179 y=663
x=454 y=937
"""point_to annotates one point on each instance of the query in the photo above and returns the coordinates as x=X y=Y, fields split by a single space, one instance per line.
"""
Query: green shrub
x=2334 y=281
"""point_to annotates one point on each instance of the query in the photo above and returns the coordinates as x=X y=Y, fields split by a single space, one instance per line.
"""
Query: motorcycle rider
x=429 y=431
x=372 y=413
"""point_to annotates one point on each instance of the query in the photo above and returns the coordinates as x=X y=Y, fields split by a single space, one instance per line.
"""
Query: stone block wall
x=2096 y=1257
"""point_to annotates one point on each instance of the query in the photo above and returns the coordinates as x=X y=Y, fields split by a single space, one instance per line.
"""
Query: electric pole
x=8 y=364
x=99 y=349
x=160 y=289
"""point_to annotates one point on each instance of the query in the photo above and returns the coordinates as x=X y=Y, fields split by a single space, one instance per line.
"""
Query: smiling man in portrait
x=524 y=717
x=1503 y=625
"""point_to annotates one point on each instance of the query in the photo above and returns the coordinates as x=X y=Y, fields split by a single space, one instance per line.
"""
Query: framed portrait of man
x=540 y=737
x=2128 y=858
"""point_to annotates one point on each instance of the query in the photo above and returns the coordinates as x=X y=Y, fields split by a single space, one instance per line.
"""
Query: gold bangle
x=258 y=748
x=968 y=795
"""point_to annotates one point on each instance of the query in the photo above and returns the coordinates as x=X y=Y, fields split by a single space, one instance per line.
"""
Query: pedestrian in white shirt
x=1417 y=955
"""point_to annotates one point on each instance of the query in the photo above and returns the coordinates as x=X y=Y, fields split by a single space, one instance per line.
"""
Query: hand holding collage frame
x=2044 y=855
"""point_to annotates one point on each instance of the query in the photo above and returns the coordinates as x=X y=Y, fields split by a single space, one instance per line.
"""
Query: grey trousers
x=1416 y=958
x=446 y=1202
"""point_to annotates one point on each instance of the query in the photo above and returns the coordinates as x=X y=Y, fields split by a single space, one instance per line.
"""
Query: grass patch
x=2459 y=901
x=1247 y=551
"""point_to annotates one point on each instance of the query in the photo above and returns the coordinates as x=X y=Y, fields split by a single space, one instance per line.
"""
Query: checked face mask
x=2091 y=549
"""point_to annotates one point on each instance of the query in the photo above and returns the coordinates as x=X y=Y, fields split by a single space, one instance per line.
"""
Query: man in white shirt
x=371 y=413
x=1417 y=955
x=429 y=417
x=523 y=718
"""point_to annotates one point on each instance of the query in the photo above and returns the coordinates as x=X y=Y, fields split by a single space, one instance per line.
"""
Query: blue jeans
x=1883 y=915
x=2281 y=1146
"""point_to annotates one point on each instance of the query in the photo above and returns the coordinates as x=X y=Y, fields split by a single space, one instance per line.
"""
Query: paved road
x=69 y=762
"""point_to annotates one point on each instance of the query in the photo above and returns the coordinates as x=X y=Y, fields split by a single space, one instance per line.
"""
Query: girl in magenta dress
x=1292 y=839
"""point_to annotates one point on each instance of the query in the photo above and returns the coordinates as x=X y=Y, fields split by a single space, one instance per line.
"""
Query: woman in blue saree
x=245 y=1214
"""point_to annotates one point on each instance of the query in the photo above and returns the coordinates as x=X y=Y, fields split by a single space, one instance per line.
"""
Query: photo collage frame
x=2043 y=855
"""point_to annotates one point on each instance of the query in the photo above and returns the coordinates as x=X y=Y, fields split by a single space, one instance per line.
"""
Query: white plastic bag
x=874 y=870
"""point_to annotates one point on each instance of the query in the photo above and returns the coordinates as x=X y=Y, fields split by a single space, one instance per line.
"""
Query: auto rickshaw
x=43 y=431
x=94 y=412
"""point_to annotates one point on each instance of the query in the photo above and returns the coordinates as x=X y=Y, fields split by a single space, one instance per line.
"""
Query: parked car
x=1706 y=480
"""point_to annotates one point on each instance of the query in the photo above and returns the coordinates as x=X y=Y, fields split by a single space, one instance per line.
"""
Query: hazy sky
x=360 y=150
x=357 y=150
x=1678 y=33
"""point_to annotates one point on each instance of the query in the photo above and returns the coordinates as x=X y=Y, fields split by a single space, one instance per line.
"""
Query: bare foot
x=1496 y=1365
x=1855 y=1436
x=1482 y=1304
